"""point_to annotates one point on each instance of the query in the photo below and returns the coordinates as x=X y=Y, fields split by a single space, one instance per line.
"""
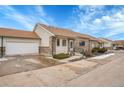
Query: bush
x=95 y=50
x=61 y=56
x=82 y=52
x=102 y=50
x=99 y=50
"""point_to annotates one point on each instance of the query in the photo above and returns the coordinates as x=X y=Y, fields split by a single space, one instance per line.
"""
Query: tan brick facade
x=3 y=51
x=85 y=48
x=47 y=51
x=51 y=50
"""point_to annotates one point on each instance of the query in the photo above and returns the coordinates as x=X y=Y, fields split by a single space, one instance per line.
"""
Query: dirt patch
x=47 y=61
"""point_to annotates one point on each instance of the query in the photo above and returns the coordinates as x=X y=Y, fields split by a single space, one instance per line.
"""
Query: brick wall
x=85 y=48
x=3 y=51
x=47 y=51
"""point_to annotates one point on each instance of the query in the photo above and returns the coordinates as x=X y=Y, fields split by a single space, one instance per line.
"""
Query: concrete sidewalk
x=72 y=58
x=103 y=56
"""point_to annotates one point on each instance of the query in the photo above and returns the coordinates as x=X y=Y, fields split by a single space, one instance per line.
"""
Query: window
x=82 y=43
x=71 y=44
x=58 y=42
x=63 y=42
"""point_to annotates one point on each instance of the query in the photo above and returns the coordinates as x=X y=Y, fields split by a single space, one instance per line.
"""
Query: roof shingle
x=121 y=42
x=17 y=33
x=66 y=32
x=104 y=40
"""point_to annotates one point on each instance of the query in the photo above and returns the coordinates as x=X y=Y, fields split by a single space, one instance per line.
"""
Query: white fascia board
x=46 y=30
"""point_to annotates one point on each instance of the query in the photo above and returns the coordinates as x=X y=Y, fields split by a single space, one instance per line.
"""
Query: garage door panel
x=13 y=48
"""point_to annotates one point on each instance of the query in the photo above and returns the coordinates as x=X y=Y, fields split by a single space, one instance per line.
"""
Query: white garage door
x=13 y=48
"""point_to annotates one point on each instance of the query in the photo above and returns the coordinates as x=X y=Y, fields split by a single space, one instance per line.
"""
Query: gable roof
x=65 y=32
x=100 y=41
x=121 y=42
x=107 y=39
x=103 y=40
x=17 y=33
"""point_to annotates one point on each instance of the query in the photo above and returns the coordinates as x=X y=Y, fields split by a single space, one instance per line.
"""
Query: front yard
x=18 y=64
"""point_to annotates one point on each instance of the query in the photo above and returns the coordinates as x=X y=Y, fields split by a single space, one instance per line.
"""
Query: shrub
x=82 y=52
x=99 y=50
x=102 y=50
x=95 y=50
x=61 y=56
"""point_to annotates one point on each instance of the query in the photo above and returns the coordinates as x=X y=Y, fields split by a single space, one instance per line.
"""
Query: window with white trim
x=71 y=44
x=58 y=42
x=63 y=42
x=82 y=43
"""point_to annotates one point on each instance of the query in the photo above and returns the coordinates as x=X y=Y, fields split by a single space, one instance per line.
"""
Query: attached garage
x=18 y=42
x=15 y=48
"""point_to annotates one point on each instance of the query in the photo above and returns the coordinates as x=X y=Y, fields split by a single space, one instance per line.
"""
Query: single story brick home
x=118 y=44
x=106 y=43
x=58 y=40
x=46 y=40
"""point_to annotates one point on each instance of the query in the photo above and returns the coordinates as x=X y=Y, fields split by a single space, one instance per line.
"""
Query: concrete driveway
x=19 y=64
x=79 y=73
x=51 y=76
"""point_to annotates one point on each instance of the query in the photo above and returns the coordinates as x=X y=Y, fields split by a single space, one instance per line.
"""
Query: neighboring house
x=100 y=43
x=14 y=42
x=94 y=42
x=106 y=43
x=59 y=40
x=118 y=44
x=46 y=40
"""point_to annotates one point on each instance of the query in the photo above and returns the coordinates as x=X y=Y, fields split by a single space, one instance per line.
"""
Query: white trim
x=46 y=30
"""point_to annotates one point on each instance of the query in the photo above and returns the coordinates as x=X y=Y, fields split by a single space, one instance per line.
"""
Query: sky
x=96 y=20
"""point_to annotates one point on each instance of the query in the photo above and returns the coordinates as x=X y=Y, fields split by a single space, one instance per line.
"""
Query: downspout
x=52 y=45
x=40 y=46
x=68 y=47
x=90 y=47
x=74 y=45
x=1 y=46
